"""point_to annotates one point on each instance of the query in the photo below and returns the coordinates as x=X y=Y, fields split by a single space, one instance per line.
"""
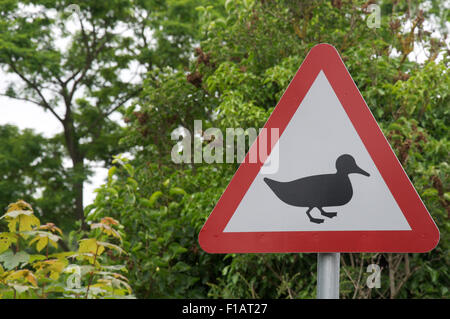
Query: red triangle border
x=424 y=235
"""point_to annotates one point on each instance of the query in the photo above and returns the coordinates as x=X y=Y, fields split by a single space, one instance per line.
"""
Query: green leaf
x=111 y=246
x=11 y=260
x=177 y=191
x=430 y=192
x=154 y=197
x=20 y=288
x=6 y=239
x=34 y=258
x=111 y=172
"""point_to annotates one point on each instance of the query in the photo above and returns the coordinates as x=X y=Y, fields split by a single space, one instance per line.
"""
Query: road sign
x=337 y=186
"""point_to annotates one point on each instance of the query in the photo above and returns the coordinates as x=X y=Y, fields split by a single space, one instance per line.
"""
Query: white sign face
x=318 y=134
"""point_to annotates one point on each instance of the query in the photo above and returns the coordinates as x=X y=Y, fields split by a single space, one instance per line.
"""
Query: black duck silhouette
x=319 y=190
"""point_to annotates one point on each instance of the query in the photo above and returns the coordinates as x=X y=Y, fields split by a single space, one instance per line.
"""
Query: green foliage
x=165 y=260
x=247 y=52
x=31 y=265
x=241 y=69
x=73 y=59
x=31 y=167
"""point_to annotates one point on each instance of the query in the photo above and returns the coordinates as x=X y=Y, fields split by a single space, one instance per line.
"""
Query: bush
x=33 y=266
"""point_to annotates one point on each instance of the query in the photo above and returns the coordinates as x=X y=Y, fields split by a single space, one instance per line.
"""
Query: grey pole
x=328 y=275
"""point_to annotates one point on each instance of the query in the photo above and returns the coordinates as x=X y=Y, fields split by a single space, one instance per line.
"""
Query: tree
x=241 y=68
x=79 y=83
x=69 y=57
x=32 y=169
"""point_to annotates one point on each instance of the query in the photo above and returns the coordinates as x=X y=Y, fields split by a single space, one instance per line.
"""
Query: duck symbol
x=319 y=190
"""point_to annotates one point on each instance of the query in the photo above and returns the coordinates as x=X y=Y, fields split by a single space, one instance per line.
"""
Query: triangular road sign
x=337 y=185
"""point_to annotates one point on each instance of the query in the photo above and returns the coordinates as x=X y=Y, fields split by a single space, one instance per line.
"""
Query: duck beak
x=359 y=170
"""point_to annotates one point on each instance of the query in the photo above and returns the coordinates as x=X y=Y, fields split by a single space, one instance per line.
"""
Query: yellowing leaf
x=6 y=239
x=20 y=213
x=107 y=229
x=27 y=222
x=90 y=246
x=16 y=213
x=25 y=219
x=53 y=243
x=51 y=227
x=109 y=221
x=31 y=279
x=43 y=239
x=23 y=274
x=52 y=267
x=19 y=205
x=89 y=249
x=41 y=244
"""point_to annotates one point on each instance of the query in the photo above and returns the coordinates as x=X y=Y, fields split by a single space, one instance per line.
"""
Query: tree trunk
x=73 y=147
x=78 y=166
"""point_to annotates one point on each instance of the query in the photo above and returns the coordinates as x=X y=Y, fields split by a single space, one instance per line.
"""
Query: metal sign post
x=328 y=275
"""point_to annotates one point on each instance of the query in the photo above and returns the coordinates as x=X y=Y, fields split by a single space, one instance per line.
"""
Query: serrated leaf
x=11 y=260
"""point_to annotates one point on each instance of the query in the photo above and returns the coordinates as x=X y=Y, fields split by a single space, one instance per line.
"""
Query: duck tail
x=275 y=186
x=270 y=182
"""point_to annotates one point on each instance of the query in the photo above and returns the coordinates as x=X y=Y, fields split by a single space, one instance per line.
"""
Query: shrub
x=33 y=266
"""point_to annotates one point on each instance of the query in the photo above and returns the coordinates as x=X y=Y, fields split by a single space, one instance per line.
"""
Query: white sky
x=27 y=115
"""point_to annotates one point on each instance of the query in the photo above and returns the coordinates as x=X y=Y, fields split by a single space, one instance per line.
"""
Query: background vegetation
x=227 y=64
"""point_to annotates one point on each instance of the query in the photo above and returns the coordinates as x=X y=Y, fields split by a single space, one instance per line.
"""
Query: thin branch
x=115 y=108
x=33 y=85
x=391 y=276
x=22 y=99
x=361 y=264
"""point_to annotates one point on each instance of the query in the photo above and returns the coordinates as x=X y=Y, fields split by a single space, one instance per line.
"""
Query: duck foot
x=312 y=219
x=327 y=214
x=316 y=220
